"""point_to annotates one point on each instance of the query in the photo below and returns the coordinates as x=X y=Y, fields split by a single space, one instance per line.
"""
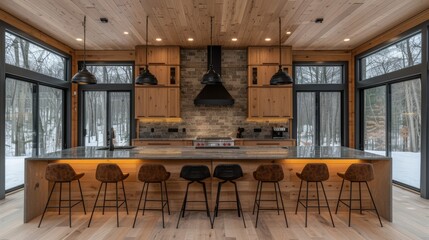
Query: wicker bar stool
x=272 y=173
x=194 y=173
x=153 y=173
x=63 y=173
x=110 y=173
x=228 y=173
x=357 y=173
x=317 y=173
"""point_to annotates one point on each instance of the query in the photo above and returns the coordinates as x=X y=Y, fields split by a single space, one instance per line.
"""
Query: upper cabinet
x=269 y=55
x=167 y=55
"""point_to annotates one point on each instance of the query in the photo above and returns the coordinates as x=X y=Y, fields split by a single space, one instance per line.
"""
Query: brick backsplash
x=211 y=120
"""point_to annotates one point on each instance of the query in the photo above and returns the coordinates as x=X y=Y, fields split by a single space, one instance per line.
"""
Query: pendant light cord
x=280 y=42
x=84 y=42
x=147 y=32
x=211 y=41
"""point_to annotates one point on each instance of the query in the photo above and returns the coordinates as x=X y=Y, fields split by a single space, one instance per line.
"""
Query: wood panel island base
x=292 y=159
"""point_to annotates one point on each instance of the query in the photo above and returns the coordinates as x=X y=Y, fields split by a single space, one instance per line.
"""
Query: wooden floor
x=411 y=221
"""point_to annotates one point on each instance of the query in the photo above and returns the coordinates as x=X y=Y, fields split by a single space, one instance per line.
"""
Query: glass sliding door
x=20 y=129
x=374 y=114
x=104 y=110
x=95 y=122
x=306 y=119
x=51 y=118
x=405 y=138
x=330 y=119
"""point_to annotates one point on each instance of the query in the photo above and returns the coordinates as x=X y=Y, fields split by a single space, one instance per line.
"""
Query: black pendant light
x=211 y=77
x=84 y=76
x=281 y=77
x=145 y=77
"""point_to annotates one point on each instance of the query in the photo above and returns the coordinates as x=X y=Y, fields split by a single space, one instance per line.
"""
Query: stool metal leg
x=138 y=205
x=318 y=199
x=59 y=203
x=258 y=203
x=375 y=207
x=306 y=205
x=95 y=204
x=166 y=196
x=81 y=195
x=277 y=200
x=186 y=199
x=360 y=199
x=70 y=204
x=339 y=197
x=238 y=204
x=162 y=205
x=105 y=192
x=46 y=206
x=182 y=210
x=219 y=186
x=256 y=195
x=207 y=203
x=145 y=197
x=117 y=205
x=283 y=206
x=299 y=198
x=125 y=197
x=327 y=204
x=350 y=203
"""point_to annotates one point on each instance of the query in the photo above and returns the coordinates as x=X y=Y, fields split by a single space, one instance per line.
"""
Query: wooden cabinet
x=269 y=55
x=280 y=142
x=165 y=74
x=168 y=55
x=153 y=101
x=155 y=142
x=274 y=101
x=261 y=75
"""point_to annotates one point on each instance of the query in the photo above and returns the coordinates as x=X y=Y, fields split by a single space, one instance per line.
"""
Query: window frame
x=317 y=89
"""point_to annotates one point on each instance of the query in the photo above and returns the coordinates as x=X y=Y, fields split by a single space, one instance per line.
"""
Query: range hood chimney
x=214 y=94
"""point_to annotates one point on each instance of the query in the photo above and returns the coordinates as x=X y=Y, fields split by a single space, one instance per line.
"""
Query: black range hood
x=214 y=94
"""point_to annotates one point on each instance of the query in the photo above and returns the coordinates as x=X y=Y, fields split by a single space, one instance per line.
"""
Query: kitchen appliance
x=240 y=132
x=280 y=133
x=214 y=142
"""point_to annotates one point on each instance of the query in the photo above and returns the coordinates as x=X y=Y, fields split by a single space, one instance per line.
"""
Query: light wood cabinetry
x=274 y=142
x=153 y=101
x=168 y=55
x=154 y=142
x=273 y=101
x=269 y=55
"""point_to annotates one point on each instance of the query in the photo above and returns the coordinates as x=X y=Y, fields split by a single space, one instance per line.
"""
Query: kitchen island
x=293 y=159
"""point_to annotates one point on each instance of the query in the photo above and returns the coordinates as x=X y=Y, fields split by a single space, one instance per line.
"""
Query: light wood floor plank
x=410 y=222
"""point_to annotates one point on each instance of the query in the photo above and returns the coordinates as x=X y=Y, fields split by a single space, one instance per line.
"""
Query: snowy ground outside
x=14 y=171
x=406 y=167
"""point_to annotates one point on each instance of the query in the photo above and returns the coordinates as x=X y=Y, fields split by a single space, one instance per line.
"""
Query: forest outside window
x=22 y=53
x=112 y=74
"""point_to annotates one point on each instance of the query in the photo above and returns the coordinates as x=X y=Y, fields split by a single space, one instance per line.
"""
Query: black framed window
x=320 y=109
x=391 y=84
x=107 y=104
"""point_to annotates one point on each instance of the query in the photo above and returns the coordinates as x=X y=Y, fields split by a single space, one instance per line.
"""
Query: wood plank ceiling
x=250 y=21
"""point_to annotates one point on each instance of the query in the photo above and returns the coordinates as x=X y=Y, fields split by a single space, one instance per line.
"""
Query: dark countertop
x=244 y=152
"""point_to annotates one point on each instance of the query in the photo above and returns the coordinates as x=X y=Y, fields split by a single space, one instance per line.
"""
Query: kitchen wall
x=210 y=120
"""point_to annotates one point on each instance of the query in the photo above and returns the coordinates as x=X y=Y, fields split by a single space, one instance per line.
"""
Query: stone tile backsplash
x=208 y=120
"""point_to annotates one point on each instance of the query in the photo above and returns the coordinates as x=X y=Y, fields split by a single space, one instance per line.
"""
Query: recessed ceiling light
x=346 y=39
x=267 y=39
x=158 y=39
x=288 y=33
x=190 y=39
x=234 y=39
x=126 y=33
x=79 y=39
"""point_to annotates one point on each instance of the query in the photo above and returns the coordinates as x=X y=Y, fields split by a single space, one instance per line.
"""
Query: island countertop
x=180 y=153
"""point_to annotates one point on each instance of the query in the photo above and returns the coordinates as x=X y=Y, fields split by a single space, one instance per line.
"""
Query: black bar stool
x=153 y=173
x=62 y=173
x=194 y=173
x=110 y=173
x=268 y=174
x=357 y=173
x=317 y=173
x=228 y=173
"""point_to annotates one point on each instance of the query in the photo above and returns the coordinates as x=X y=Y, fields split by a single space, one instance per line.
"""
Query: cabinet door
x=140 y=58
x=286 y=56
x=173 y=56
x=267 y=103
x=139 y=103
x=265 y=74
x=253 y=104
x=269 y=55
x=161 y=73
x=157 y=55
x=282 y=102
x=173 y=102
x=253 y=56
x=157 y=102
